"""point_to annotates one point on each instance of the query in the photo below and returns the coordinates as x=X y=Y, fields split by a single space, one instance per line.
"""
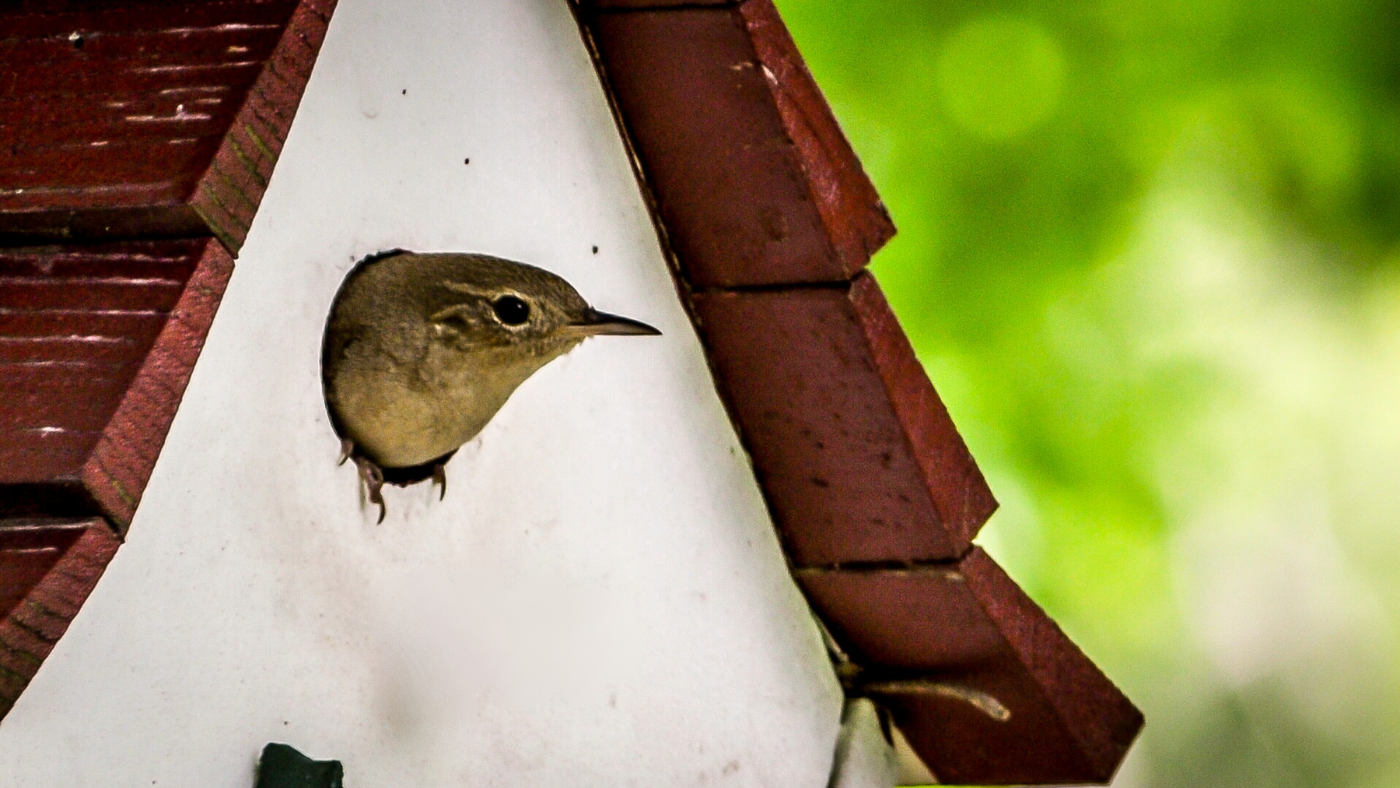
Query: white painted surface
x=863 y=758
x=600 y=600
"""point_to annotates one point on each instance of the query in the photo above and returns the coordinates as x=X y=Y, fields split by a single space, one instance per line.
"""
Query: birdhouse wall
x=599 y=600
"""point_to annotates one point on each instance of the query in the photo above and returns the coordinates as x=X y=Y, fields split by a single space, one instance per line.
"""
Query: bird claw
x=373 y=478
x=440 y=479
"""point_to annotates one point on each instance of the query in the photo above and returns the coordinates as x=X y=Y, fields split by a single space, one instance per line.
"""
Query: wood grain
x=140 y=120
x=856 y=454
x=96 y=345
x=47 y=570
x=965 y=624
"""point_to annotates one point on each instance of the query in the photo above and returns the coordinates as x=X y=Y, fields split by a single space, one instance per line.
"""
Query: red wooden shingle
x=47 y=570
x=228 y=194
x=122 y=461
x=96 y=343
x=851 y=210
x=140 y=119
x=635 y=5
x=855 y=452
x=966 y=624
x=26 y=556
x=737 y=146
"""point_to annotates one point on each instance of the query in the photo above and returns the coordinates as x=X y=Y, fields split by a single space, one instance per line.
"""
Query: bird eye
x=511 y=310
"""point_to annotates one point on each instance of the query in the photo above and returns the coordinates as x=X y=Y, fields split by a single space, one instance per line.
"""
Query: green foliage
x=1148 y=253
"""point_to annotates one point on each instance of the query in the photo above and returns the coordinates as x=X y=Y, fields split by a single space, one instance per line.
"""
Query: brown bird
x=421 y=350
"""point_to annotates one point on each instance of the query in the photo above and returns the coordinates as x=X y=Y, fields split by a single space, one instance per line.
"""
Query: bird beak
x=594 y=323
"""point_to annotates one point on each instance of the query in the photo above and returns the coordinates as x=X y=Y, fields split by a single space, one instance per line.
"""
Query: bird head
x=516 y=309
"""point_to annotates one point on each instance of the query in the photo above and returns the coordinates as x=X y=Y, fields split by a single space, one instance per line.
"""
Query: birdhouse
x=739 y=553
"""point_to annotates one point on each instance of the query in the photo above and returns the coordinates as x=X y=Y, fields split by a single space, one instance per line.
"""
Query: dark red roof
x=47 y=570
x=131 y=135
x=769 y=221
x=94 y=340
x=140 y=119
x=136 y=139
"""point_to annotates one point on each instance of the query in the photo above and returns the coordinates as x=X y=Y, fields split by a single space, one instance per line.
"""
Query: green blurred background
x=1150 y=256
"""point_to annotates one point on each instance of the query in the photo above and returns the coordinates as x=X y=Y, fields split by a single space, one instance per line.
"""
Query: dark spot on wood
x=595 y=250
x=774 y=223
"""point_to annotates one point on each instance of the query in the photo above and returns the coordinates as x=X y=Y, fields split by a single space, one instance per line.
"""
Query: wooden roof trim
x=709 y=115
x=857 y=456
x=228 y=195
x=116 y=473
x=98 y=340
x=1067 y=722
x=132 y=148
x=87 y=447
x=856 y=220
x=97 y=343
x=75 y=554
x=768 y=221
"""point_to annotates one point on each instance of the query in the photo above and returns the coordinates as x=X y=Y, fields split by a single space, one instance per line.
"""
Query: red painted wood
x=856 y=220
x=60 y=563
x=96 y=343
x=227 y=195
x=857 y=457
x=79 y=76
x=121 y=464
x=65 y=353
x=80 y=406
x=64 y=261
x=209 y=42
x=130 y=119
x=104 y=171
x=967 y=624
x=88 y=292
x=32 y=456
x=855 y=453
x=727 y=180
x=640 y=5
x=17 y=324
x=26 y=556
x=960 y=493
x=172 y=18
x=39 y=116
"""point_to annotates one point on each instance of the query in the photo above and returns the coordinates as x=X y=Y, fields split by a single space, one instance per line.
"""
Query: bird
x=422 y=349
